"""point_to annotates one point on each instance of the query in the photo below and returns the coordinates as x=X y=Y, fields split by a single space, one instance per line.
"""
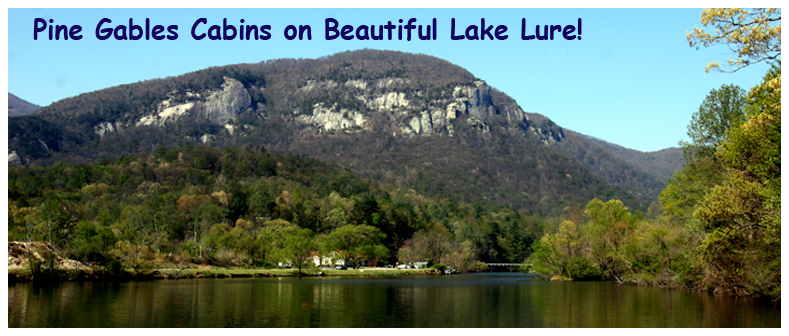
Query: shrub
x=580 y=268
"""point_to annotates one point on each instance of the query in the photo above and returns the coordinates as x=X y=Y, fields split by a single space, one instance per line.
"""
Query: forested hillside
x=248 y=207
x=414 y=121
x=662 y=163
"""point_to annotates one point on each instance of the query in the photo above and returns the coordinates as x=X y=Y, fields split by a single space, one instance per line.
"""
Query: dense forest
x=720 y=226
x=248 y=207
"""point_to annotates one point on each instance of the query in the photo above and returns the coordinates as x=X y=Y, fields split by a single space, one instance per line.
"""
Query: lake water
x=468 y=300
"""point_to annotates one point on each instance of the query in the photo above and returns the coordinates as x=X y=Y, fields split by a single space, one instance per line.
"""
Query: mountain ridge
x=414 y=120
x=19 y=107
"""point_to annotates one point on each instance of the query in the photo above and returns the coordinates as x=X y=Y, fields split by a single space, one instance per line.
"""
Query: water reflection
x=473 y=300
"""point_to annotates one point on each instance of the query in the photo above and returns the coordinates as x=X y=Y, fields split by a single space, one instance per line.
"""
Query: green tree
x=435 y=245
x=92 y=244
x=57 y=221
x=553 y=252
x=463 y=257
x=21 y=222
x=357 y=242
x=204 y=215
x=139 y=257
x=245 y=236
x=335 y=218
x=721 y=110
x=299 y=249
x=608 y=232
x=238 y=205
x=743 y=213
x=271 y=237
x=134 y=226
x=260 y=201
x=364 y=209
x=240 y=239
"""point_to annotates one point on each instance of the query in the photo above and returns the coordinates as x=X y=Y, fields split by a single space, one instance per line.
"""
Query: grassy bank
x=218 y=272
x=24 y=275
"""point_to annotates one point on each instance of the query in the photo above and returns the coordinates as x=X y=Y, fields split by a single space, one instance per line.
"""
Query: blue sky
x=632 y=80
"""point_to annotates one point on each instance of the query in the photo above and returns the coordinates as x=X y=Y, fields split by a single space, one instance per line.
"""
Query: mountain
x=19 y=107
x=662 y=164
x=415 y=121
x=645 y=174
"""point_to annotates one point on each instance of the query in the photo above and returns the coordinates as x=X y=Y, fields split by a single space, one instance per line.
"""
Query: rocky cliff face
x=328 y=119
x=386 y=115
x=403 y=95
x=409 y=110
x=221 y=106
x=472 y=101
x=224 y=106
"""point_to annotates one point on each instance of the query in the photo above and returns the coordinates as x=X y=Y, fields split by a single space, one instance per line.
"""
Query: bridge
x=508 y=266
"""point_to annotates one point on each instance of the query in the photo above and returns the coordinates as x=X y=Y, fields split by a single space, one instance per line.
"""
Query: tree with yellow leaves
x=741 y=212
x=753 y=35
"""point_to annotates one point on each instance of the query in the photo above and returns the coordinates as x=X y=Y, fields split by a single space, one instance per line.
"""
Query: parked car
x=341 y=267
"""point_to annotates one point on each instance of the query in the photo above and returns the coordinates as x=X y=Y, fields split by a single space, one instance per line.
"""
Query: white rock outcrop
x=389 y=101
x=225 y=105
x=206 y=138
x=106 y=127
x=357 y=84
x=396 y=102
x=388 y=83
x=164 y=113
x=313 y=85
x=329 y=119
x=14 y=158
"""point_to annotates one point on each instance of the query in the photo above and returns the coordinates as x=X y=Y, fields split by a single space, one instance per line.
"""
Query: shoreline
x=65 y=275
